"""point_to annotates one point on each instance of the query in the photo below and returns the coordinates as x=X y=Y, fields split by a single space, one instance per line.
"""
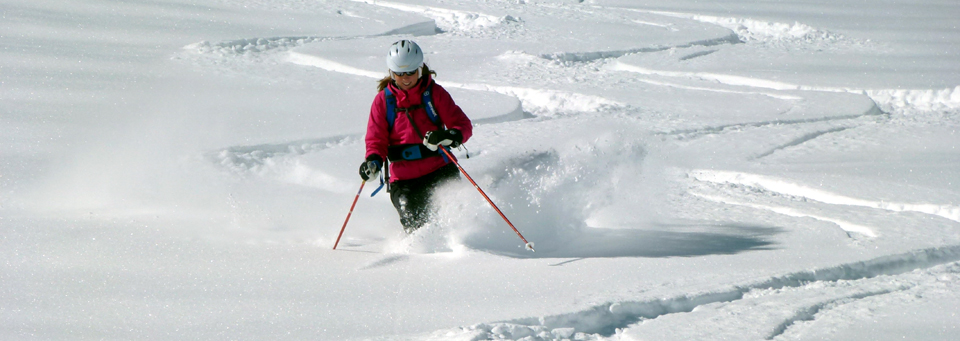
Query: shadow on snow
x=673 y=240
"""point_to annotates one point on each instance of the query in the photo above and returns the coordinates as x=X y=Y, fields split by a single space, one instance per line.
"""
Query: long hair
x=424 y=71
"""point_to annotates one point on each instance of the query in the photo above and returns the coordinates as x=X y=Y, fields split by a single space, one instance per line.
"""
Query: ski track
x=890 y=99
x=728 y=91
x=797 y=34
x=799 y=141
x=792 y=212
x=606 y=319
x=540 y=101
x=788 y=188
x=254 y=158
x=762 y=31
x=697 y=55
x=809 y=313
x=254 y=46
x=687 y=133
x=597 y=55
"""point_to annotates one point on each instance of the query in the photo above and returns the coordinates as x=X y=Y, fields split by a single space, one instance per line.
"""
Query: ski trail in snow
x=719 y=129
x=844 y=225
x=697 y=55
x=608 y=319
x=809 y=313
x=764 y=31
x=270 y=44
x=329 y=65
x=797 y=34
x=700 y=88
x=800 y=140
x=788 y=188
x=711 y=77
x=597 y=55
x=252 y=158
x=919 y=99
x=540 y=101
x=471 y=23
x=279 y=162
x=770 y=313
x=548 y=102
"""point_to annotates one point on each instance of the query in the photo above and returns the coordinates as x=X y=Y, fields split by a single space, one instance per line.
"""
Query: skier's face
x=406 y=81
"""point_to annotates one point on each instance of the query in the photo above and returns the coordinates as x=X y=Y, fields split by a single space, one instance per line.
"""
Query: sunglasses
x=402 y=74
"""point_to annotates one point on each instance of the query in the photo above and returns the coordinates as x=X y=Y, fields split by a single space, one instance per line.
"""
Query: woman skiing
x=411 y=118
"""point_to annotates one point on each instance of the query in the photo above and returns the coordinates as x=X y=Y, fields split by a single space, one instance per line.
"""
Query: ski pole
x=349 y=213
x=528 y=245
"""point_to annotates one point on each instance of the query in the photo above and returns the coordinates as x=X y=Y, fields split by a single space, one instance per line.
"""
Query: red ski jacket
x=380 y=136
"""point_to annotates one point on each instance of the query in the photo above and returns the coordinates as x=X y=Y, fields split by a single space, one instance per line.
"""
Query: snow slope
x=736 y=170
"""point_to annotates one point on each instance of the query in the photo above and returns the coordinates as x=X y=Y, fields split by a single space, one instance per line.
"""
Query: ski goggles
x=402 y=74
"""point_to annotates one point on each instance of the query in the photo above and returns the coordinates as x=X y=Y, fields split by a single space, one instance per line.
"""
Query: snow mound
x=252 y=45
x=917 y=100
x=460 y=22
x=544 y=102
x=257 y=158
x=751 y=30
x=756 y=30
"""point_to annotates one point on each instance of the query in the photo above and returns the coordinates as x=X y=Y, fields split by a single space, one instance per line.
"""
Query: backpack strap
x=431 y=111
x=432 y=114
x=391 y=108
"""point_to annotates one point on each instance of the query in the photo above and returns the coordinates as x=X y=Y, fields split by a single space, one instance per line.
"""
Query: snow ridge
x=784 y=187
x=718 y=129
x=459 y=22
x=751 y=30
x=888 y=99
x=329 y=65
x=253 y=45
x=700 y=88
x=922 y=100
x=547 y=102
x=280 y=162
x=844 y=225
x=240 y=47
x=538 y=101
x=596 y=55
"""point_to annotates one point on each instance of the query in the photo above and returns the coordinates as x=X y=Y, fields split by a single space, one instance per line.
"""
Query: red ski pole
x=349 y=213
x=528 y=245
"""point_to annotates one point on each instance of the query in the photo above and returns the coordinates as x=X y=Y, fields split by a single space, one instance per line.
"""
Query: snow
x=745 y=169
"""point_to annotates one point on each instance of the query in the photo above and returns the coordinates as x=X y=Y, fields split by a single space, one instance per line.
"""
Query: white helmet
x=404 y=56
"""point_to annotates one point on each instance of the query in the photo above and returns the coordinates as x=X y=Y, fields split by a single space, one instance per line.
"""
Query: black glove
x=450 y=137
x=371 y=168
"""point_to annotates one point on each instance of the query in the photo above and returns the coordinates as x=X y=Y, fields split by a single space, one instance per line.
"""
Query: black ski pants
x=412 y=197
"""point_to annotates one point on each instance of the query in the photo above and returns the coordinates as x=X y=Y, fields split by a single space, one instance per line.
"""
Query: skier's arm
x=450 y=113
x=378 y=135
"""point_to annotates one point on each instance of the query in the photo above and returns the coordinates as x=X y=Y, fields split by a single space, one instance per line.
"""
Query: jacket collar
x=411 y=97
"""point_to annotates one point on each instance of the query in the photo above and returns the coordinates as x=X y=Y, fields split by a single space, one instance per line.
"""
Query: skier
x=411 y=117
